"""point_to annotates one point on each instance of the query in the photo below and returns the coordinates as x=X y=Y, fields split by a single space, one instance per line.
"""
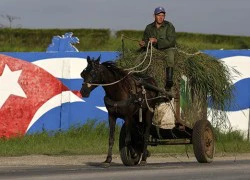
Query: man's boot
x=169 y=81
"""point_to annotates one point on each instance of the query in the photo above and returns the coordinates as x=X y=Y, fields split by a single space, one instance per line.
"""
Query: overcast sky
x=229 y=17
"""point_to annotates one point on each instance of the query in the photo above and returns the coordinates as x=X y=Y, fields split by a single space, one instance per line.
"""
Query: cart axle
x=155 y=142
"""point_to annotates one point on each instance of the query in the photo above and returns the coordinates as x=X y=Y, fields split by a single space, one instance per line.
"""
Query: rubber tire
x=125 y=155
x=203 y=141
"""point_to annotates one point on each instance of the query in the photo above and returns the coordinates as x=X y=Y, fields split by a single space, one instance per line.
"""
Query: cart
x=200 y=135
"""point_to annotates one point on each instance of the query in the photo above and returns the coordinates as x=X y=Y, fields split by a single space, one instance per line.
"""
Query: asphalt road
x=223 y=168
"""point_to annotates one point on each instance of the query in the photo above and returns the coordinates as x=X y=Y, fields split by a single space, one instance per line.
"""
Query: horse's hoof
x=143 y=163
x=105 y=164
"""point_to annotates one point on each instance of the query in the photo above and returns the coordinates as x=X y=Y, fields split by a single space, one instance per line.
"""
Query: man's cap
x=159 y=10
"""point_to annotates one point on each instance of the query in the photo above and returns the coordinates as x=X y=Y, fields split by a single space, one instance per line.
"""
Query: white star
x=9 y=85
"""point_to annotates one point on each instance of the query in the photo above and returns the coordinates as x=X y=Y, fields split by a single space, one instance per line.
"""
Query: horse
x=125 y=98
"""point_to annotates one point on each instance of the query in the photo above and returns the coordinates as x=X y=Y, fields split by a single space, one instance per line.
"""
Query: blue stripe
x=227 y=53
x=72 y=84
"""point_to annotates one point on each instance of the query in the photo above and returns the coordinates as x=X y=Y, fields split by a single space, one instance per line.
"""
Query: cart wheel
x=203 y=141
x=125 y=152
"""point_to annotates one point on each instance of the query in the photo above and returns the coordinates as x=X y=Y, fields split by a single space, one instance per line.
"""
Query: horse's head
x=92 y=75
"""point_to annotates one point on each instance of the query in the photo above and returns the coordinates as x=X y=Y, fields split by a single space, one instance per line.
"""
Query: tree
x=10 y=19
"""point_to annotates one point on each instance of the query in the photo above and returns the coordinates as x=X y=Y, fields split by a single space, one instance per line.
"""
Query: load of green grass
x=206 y=77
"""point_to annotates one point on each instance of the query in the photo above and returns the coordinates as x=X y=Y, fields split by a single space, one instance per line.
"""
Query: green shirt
x=165 y=35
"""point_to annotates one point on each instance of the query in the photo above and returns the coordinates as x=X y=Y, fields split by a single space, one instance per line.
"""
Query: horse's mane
x=116 y=70
x=111 y=66
x=119 y=73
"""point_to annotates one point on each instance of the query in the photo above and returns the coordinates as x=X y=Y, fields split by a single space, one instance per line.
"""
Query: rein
x=150 y=59
x=132 y=71
x=108 y=84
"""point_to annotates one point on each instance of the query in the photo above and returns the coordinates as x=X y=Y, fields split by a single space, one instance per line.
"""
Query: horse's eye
x=93 y=75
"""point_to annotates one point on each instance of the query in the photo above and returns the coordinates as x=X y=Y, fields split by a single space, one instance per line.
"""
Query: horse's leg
x=128 y=123
x=112 y=123
x=128 y=131
x=148 y=122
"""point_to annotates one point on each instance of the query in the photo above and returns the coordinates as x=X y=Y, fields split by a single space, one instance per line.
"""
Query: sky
x=228 y=17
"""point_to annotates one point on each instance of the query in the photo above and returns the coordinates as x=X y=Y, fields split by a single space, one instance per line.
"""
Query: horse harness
x=135 y=98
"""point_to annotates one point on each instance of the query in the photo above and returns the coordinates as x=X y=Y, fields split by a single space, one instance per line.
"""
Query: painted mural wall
x=40 y=91
x=238 y=112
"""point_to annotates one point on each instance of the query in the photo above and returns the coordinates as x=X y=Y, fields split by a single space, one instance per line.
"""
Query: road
x=159 y=167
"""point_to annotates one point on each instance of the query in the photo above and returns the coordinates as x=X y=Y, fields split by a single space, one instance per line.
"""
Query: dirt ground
x=43 y=160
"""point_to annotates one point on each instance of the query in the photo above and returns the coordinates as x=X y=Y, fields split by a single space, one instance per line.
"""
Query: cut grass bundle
x=207 y=78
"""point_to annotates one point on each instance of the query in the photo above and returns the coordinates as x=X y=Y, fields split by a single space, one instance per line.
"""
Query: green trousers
x=160 y=60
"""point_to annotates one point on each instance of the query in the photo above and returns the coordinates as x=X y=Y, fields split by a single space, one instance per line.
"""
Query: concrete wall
x=40 y=91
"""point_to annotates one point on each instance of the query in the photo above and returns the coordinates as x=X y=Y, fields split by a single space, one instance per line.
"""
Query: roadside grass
x=92 y=138
x=232 y=141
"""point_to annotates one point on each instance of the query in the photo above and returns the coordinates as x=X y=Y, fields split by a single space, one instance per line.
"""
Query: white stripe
x=239 y=63
x=238 y=120
x=102 y=108
x=57 y=100
x=67 y=67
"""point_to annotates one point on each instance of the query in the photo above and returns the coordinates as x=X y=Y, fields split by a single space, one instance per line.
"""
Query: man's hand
x=153 y=40
x=142 y=43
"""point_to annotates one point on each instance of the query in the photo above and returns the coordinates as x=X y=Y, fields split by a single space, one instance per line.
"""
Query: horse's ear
x=98 y=59
x=88 y=59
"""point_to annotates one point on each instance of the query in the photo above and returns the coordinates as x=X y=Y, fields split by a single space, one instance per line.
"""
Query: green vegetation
x=92 y=138
x=37 y=40
x=232 y=141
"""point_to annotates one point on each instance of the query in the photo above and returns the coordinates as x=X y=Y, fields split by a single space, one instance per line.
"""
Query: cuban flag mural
x=40 y=91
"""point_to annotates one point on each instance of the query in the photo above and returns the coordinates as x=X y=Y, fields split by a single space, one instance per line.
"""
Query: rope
x=189 y=54
x=172 y=108
x=146 y=99
x=144 y=57
x=132 y=39
x=109 y=84
x=150 y=59
x=123 y=51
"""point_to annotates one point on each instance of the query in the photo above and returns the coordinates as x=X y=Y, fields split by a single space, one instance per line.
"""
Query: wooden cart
x=200 y=134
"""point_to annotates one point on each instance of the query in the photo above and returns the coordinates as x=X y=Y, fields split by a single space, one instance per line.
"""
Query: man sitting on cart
x=163 y=37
